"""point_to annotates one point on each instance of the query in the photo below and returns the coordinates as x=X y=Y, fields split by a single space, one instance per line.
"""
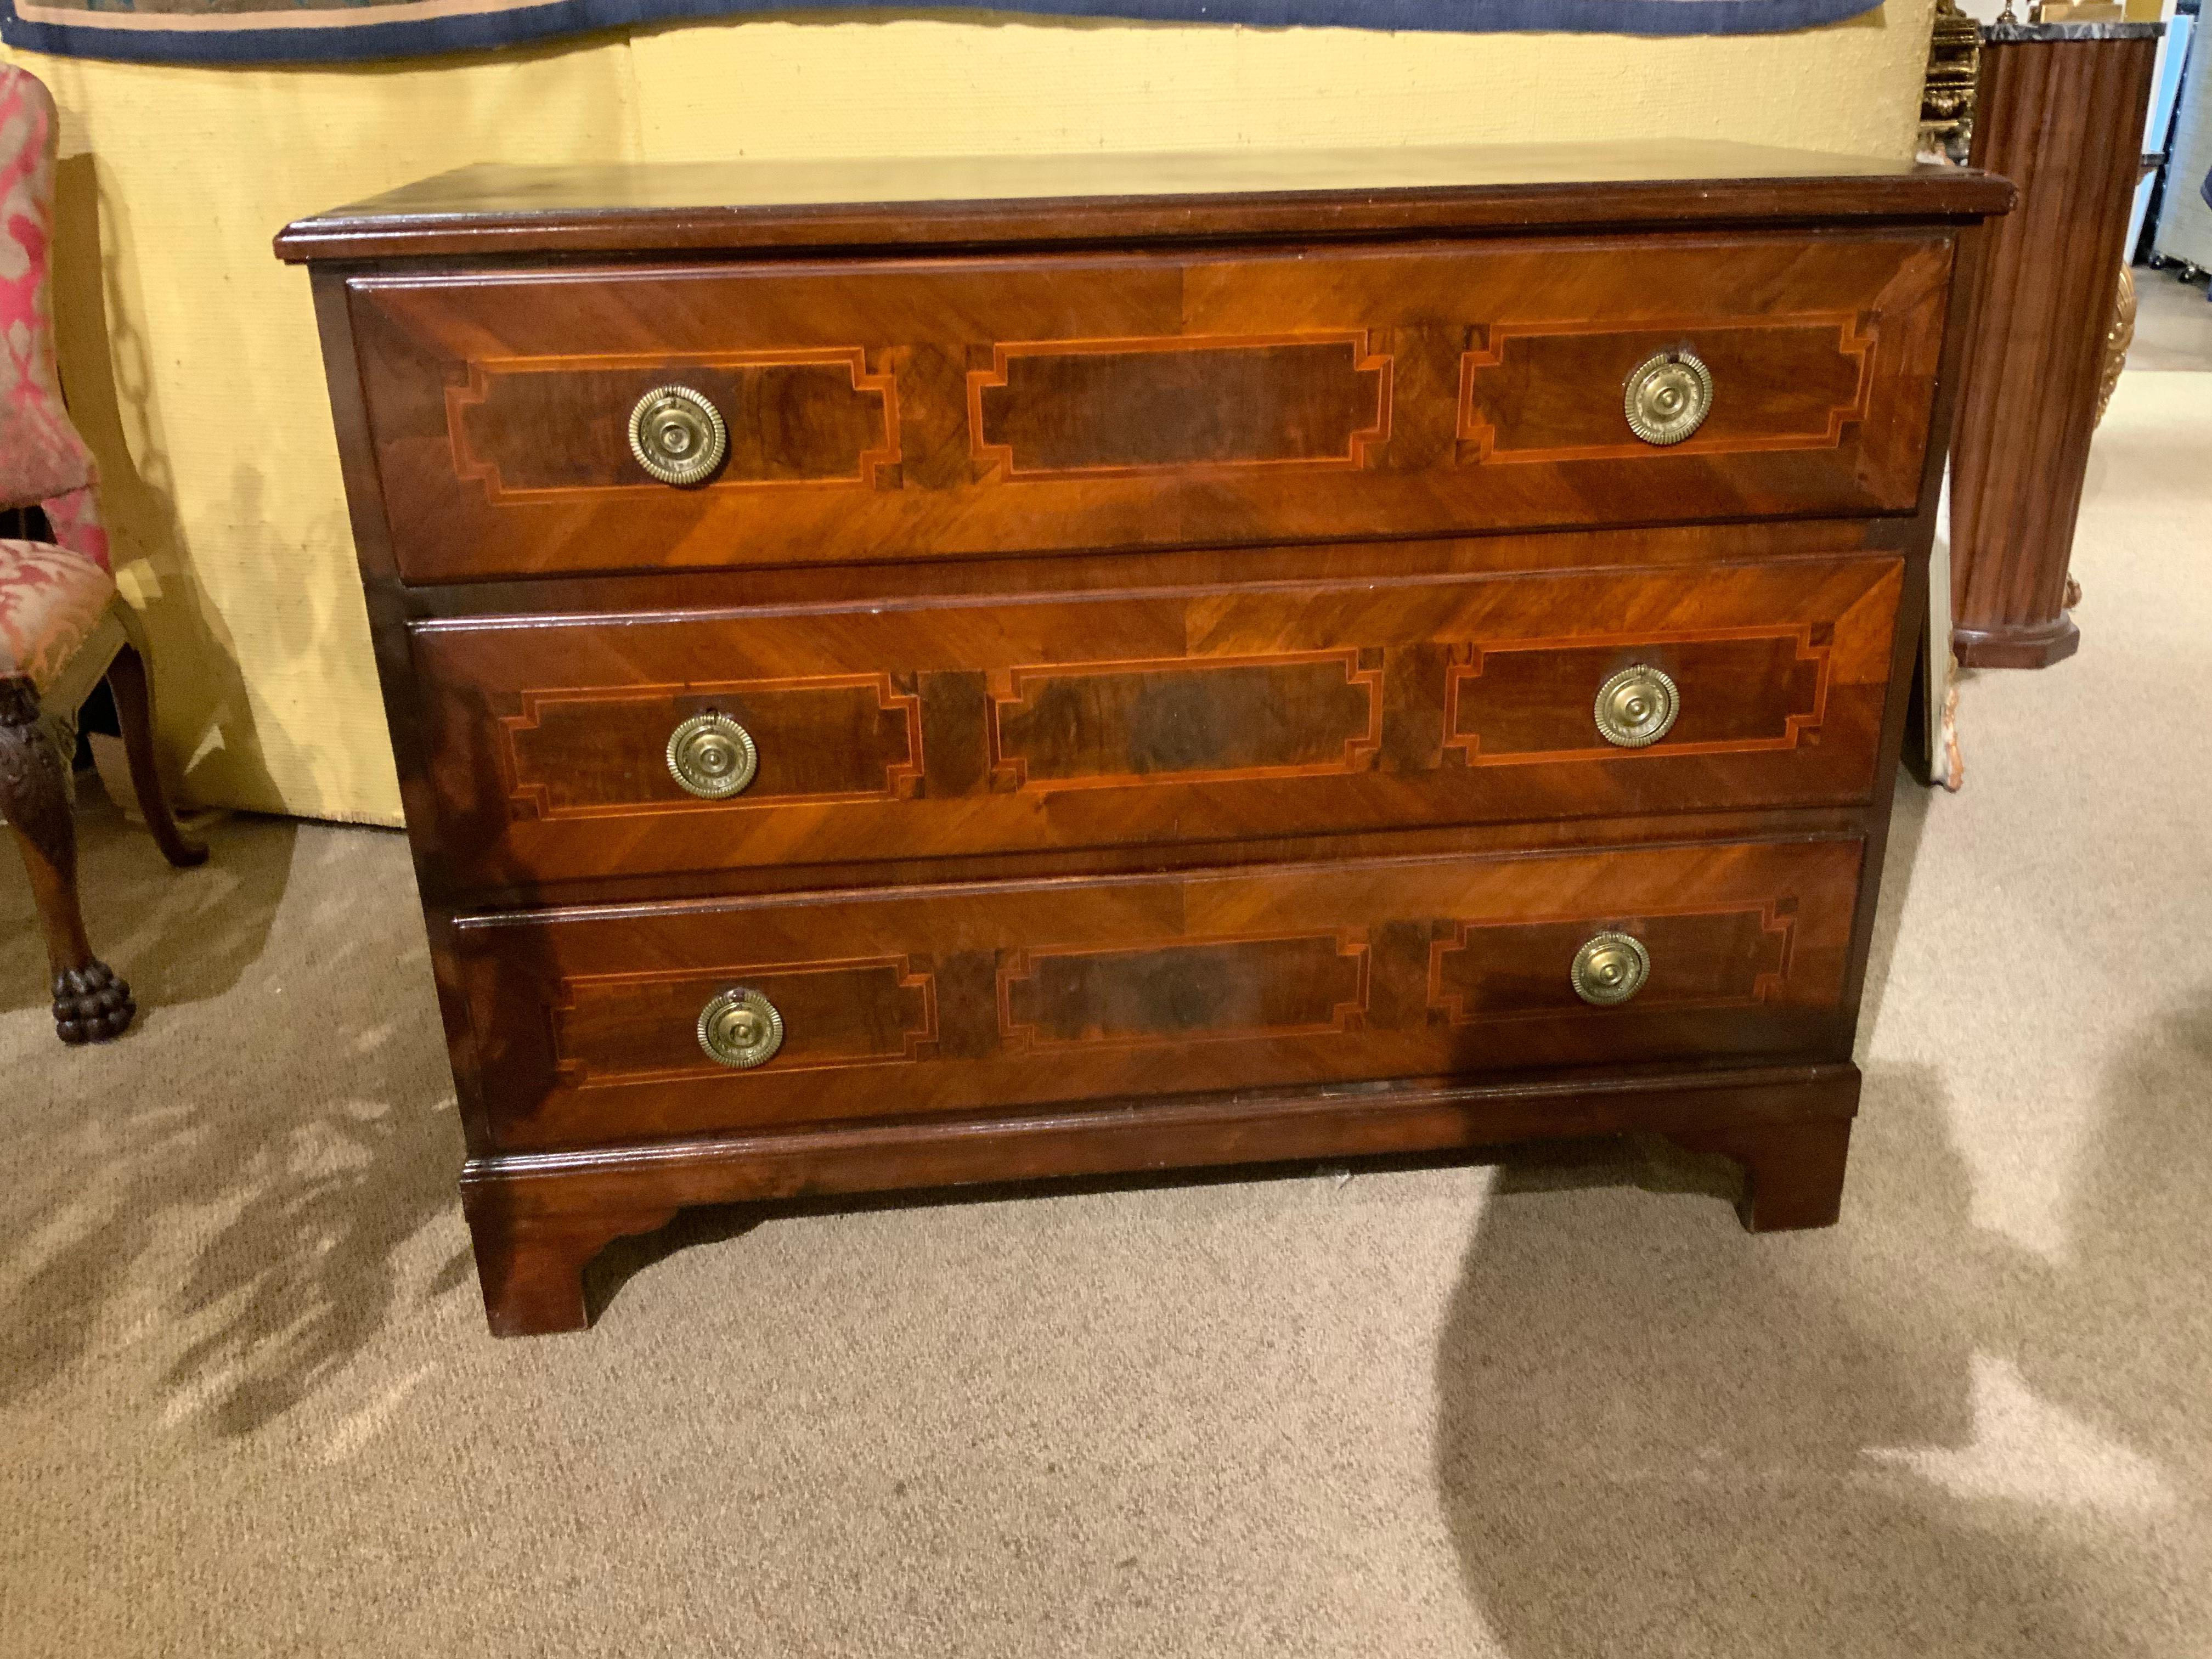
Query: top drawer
x=915 y=408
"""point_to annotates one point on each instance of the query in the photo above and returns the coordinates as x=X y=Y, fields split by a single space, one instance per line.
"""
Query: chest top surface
x=985 y=202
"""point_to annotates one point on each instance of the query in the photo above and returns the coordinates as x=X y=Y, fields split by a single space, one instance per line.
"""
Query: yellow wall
x=189 y=353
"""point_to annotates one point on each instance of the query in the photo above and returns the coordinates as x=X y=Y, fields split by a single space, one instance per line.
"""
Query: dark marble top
x=1998 y=33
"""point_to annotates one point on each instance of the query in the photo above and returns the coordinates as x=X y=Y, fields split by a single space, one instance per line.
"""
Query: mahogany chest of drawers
x=939 y=672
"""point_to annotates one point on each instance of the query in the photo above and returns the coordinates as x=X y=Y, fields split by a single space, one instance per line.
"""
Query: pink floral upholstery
x=75 y=518
x=42 y=461
x=52 y=594
x=51 y=599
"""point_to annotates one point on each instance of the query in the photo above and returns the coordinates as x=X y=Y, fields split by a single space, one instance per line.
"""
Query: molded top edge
x=909 y=203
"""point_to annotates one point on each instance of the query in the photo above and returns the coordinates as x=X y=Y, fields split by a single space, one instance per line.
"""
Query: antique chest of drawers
x=938 y=672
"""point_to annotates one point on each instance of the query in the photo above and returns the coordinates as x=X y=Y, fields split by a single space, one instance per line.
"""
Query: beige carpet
x=2173 y=322
x=1563 y=1409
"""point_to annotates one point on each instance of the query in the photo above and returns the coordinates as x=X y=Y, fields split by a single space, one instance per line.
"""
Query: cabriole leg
x=91 y=1005
x=127 y=677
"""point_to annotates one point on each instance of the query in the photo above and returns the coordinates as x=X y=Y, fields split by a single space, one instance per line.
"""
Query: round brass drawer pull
x=1610 y=968
x=712 y=756
x=1637 y=707
x=1669 y=395
x=676 y=435
x=740 y=1027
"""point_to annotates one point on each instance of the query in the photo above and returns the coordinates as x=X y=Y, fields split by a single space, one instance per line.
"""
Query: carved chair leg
x=91 y=1005
x=127 y=677
x=531 y=1266
x=1793 y=1172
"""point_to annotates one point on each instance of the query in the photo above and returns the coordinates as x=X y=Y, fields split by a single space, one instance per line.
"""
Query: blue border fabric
x=506 y=25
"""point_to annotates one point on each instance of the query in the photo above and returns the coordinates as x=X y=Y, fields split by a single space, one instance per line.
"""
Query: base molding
x=538 y=1217
x=2032 y=645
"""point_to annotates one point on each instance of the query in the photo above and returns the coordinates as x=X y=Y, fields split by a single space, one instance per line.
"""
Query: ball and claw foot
x=92 y=1005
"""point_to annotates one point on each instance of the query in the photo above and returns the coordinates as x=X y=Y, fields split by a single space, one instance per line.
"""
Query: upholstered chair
x=62 y=625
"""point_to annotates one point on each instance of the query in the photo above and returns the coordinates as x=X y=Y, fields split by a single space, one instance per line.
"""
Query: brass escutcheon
x=1610 y=968
x=712 y=756
x=676 y=435
x=740 y=1027
x=1669 y=397
x=1637 y=707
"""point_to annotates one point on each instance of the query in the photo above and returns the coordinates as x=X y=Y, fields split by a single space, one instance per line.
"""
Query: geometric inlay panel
x=580 y=754
x=1092 y=725
x=1090 y=408
x=1190 y=990
x=1481 y=971
x=1741 y=691
x=631 y=1028
x=1553 y=393
x=543 y=427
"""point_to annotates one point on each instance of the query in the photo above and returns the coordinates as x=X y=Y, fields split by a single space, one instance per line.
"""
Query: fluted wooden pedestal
x=2060 y=112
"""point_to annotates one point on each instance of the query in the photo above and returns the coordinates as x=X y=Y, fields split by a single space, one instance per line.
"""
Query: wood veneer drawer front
x=996 y=996
x=913 y=409
x=994 y=725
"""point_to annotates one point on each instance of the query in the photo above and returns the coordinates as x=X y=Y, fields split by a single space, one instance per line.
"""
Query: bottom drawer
x=593 y=1026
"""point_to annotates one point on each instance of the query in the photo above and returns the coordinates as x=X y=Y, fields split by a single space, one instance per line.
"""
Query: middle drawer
x=567 y=747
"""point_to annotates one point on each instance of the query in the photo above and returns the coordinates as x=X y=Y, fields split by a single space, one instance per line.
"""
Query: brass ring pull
x=1610 y=968
x=740 y=1028
x=1669 y=397
x=1637 y=707
x=676 y=435
x=712 y=756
